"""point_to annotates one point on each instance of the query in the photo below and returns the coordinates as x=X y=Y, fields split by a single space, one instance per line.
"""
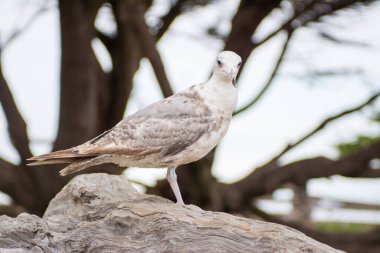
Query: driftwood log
x=104 y=213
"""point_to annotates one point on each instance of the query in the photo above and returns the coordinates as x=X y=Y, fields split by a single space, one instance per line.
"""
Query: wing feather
x=66 y=153
x=165 y=127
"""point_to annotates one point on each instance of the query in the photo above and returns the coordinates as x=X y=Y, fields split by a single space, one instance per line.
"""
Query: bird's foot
x=180 y=203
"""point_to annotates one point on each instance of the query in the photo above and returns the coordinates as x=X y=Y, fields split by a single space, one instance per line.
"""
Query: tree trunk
x=81 y=74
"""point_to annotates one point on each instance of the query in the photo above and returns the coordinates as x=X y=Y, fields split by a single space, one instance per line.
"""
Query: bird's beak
x=234 y=81
x=233 y=77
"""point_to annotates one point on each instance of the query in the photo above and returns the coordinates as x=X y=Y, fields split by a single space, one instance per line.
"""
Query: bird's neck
x=220 y=94
x=219 y=79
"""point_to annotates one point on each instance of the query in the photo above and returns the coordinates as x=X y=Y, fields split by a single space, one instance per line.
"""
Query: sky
x=294 y=105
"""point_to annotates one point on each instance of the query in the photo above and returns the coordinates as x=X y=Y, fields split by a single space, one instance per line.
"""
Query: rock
x=104 y=213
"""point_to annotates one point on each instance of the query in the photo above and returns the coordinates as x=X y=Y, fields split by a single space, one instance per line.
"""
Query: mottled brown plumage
x=177 y=130
x=157 y=129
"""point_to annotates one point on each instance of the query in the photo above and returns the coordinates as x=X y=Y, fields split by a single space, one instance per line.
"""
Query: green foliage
x=360 y=142
x=376 y=118
x=336 y=227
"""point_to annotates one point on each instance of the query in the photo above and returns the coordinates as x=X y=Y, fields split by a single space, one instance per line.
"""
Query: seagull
x=177 y=130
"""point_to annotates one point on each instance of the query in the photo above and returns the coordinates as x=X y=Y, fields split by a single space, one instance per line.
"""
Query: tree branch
x=27 y=24
x=148 y=43
x=16 y=182
x=82 y=112
x=17 y=127
x=168 y=19
x=107 y=41
x=126 y=55
x=7 y=177
x=323 y=124
x=351 y=241
x=287 y=25
x=11 y=210
x=271 y=78
x=370 y=173
x=239 y=39
x=311 y=11
x=315 y=11
x=261 y=181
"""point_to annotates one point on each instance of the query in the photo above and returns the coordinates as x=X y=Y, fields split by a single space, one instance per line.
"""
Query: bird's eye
x=219 y=63
x=239 y=64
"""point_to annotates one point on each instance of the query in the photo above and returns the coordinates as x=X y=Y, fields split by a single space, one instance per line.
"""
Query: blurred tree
x=92 y=101
x=360 y=142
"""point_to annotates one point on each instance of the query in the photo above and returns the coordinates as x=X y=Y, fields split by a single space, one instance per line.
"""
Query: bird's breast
x=220 y=98
x=217 y=130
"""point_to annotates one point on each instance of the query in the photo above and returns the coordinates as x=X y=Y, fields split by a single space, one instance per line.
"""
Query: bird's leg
x=171 y=176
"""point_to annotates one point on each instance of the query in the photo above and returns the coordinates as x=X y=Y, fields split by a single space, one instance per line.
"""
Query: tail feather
x=78 y=161
x=62 y=156
x=66 y=153
x=52 y=161
x=81 y=165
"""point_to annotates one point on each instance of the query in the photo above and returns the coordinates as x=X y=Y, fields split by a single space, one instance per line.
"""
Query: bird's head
x=227 y=66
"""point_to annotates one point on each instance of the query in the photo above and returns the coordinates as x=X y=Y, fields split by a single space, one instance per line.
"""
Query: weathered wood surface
x=104 y=213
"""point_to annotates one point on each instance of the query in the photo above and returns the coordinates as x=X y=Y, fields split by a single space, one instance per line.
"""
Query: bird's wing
x=165 y=127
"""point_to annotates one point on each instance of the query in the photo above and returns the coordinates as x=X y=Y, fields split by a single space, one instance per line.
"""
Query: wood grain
x=104 y=213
